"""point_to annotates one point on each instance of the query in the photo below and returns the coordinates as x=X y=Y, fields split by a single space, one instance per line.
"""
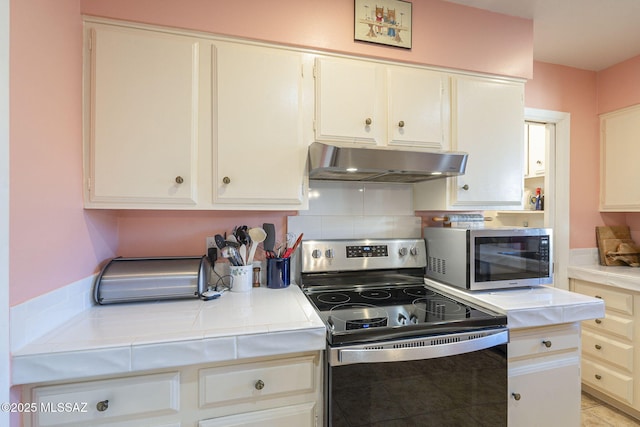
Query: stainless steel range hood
x=332 y=163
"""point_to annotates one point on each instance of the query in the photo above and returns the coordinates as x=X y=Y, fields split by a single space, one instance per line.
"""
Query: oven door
x=455 y=379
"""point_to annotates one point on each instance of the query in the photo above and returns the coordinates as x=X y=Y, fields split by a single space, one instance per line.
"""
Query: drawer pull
x=259 y=385
x=102 y=406
x=598 y=376
x=547 y=343
x=516 y=396
x=598 y=347
x=598 y=321
x=598 y=296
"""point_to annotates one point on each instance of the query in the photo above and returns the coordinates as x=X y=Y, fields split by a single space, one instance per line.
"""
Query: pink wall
x=619 y=86
x=444 y=34
x=53 y=241
x=560 y=88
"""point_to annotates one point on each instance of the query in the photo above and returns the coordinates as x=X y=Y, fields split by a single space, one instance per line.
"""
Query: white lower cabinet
x=293 y=415
x=609 y=355
x=544 y=376
x=273 y=391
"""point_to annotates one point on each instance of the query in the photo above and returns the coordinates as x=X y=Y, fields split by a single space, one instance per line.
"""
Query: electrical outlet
x=211 y=243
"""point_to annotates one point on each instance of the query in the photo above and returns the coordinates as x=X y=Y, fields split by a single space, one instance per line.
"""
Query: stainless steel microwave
x=489 y=258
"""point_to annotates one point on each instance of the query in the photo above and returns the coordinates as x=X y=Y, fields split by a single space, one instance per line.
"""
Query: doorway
x=557 y=166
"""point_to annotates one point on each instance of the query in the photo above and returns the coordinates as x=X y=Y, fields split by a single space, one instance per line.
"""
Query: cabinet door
x=418 y=108
x=619 y=155
x=487 y=117
x=144 y=112
x=302 y=415
x=349 y=101
x=260 y=153
x=545 y=392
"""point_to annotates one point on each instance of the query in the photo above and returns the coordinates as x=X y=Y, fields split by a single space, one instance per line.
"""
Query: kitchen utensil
x=257 y=235
x=231 y=253
x=243 y=253
x=220 y=241
x=292 y=249
x=270 y=240
x=232 y=241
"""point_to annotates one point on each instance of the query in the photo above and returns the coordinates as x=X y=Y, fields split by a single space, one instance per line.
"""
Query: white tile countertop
x=534 y=306
x=584 y=265
x=123 y=338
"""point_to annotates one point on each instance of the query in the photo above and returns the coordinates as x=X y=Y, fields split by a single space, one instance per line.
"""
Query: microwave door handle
x=349 y=356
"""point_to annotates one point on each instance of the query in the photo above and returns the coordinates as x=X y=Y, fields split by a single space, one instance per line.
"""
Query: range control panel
x=367 y=251
x=364 y=254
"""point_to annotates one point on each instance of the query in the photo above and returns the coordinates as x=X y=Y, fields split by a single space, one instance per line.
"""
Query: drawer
x=608 y=380
x=613 y=299
x=611 y=351
x=303 y=415
x=612 y=324
x=536 y=341
x=100 y=401
x=252 y=381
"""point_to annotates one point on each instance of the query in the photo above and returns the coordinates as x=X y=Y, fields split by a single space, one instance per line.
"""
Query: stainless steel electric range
x=399 y=351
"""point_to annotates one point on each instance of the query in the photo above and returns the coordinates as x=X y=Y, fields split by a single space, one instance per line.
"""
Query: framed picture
x=383 y=21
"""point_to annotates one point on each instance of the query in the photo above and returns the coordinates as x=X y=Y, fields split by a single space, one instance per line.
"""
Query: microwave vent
x=437 y=265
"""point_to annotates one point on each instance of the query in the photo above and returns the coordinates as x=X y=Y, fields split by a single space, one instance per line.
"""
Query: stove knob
x=402 y=251
x=402 y=319
x=414 y=251
x=317 y=253
x=413 y=319
x=328 y=253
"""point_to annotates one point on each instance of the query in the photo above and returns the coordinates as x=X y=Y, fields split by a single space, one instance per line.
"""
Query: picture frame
x=386 y=22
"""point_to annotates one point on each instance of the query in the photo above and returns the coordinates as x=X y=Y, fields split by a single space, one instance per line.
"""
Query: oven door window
x=511 y=258
x=463 y=390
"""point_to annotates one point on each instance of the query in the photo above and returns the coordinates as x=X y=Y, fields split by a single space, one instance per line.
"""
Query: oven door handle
x=414 y=350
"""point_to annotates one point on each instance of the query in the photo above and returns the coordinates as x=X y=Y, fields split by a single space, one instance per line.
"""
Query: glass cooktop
x=364 y=313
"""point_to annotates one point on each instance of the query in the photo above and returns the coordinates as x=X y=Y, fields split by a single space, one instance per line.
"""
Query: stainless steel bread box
x=149 y=279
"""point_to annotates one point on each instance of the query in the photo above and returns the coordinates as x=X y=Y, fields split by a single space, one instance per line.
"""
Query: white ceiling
x=585 y=34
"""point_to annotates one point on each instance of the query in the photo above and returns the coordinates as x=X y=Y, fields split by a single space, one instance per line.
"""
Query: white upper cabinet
x=260 y=152
x=366 y=102
x=180 y=122
x=418 y=107
x=619 y=158
x=349 y=101
x=144 y=106
x=487 y=119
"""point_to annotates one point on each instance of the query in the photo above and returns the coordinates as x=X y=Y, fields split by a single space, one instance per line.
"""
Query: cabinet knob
x=179 y=180
x=539 y=162
x=598 y=376
x=401 y=124
x=598 y=321
x=516 y=396
x=598 y=347
x=102 y=406
x=259 y=385
x=226 y=180
x=368 y=121
x=465 y=187
x=547 y=343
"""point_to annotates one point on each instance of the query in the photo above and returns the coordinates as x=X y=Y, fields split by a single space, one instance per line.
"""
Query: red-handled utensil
x=292 y=249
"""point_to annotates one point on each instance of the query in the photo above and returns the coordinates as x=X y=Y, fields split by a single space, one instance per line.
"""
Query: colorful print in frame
x=383 y=21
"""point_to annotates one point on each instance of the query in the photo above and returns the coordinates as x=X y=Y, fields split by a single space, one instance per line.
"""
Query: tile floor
x=596 y=413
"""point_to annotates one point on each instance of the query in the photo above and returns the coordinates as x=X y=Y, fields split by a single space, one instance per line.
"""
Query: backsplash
x=345 y=210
